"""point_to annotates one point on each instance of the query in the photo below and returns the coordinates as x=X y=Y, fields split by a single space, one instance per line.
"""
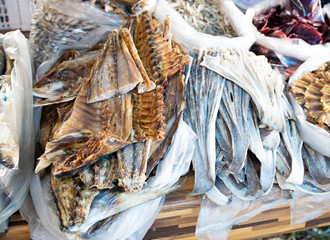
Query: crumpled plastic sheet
x=294 y=48
x=215 y=221
x=14 y=182
x=190 y=38
x=106 y=22
x=44 y=220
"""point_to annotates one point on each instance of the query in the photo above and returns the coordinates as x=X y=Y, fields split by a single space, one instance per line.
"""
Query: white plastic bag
x=44 y=224
x=189 y=38
x=215 y=222
x=294 y=47
x=61 y=25
x=316 y=137
x=18 y=118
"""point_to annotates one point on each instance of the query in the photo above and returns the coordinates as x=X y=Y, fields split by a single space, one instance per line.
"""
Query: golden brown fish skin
x=127 y=41
x=102 y=174
x=160 y=56
x=68 y=55
x=115 y=72
x=148 y=118
x=132 y=165
x=73 y=199
x=99 y=145
x=64 y=81
x=51 y=120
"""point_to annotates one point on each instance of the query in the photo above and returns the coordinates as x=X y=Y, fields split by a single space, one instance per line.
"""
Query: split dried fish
x=53 y=26
x=62 y=83
x=205 y=16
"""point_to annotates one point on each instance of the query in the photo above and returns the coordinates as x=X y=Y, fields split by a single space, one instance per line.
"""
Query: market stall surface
x=177 y=220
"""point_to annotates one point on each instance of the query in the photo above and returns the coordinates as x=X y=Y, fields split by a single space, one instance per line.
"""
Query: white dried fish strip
x=255 y=75
x=206 y=16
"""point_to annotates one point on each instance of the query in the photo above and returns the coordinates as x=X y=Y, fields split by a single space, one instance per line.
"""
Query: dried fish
x=115 y=72
x=204 y=91
x=53 y=26
x=102 y=174
x=317 y=164
x=62 y=83
x=160 y=56
x=108 y=203
x=206 y=16
x=255 y=76
x=73 y=200
x=312 y=92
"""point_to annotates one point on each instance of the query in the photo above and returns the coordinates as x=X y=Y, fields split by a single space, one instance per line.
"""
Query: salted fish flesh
x=159 y=54
x=255 y=75
x=293 y=144
x=203 y=91
x=268 y=171
x=233 y=108
x=62 y=82
x=102 y=174
x=109 y=203
x=317 y=164
x=132 y=165
x=115 y=72
x=73 y=200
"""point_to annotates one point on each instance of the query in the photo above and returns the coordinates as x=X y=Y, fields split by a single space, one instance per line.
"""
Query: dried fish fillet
x=102 y=174
x=204 y=91
x=132 y=165
x=73 y=200
x=160 y=56
x=63 y=81
x=253 y=74
x=115 y=72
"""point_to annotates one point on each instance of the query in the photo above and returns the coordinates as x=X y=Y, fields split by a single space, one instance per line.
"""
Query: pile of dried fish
x=312 y=92
x=205 y=16
x=245 y=125
x=106 y=143
x=54 y=26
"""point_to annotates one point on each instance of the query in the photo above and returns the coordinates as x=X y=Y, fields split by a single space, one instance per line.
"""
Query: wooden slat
x=177 y=220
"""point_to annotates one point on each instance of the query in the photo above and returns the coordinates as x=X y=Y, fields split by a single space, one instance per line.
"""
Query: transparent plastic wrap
x=44 y=223
x=17 y=130
x=56 y=27
x=290 y=47
x=215 y=222
x=190 y=38
x=312 y=134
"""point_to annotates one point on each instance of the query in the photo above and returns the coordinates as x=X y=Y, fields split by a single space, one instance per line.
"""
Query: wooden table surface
x=177 y=220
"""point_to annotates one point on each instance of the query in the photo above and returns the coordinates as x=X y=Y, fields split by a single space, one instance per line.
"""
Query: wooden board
x=177 y=220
